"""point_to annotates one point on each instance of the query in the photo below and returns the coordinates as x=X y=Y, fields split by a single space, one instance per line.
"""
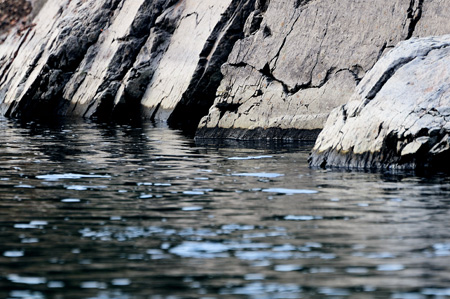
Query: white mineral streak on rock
x=94 y=71
x=404 y=99
x=179 y=62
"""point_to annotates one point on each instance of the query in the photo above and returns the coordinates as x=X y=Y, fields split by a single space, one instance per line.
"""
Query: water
x=97 y=211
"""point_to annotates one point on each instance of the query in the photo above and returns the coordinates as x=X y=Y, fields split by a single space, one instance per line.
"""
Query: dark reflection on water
x=92 y=211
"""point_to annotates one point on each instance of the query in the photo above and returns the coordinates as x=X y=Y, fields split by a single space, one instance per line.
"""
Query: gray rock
x=399 y=116
x=120 y=58
x=249 y=69
x=15 y=14
x=306 y=59
x=42 y=59
x=433 y=18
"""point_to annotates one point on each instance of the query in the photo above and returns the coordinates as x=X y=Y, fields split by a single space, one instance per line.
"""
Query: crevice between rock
x=200 y=94
x=414 y=15
x=123 y=61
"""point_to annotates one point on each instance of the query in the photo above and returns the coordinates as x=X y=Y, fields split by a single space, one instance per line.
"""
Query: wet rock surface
x=399 y=117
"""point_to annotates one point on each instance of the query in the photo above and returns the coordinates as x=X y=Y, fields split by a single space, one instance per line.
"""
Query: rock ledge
x=399 y=116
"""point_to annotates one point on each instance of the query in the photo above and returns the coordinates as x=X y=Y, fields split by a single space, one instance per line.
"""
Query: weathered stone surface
x=40 y=64
x=21 y=55
x=119 y=58
x=14 y=13
x=263 y=69
x=301 y=59
x=92 y=88
x=399 y=116
x=433 y=18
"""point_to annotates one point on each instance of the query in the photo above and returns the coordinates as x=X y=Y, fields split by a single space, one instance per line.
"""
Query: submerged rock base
x=258 y=133
x=399 y=117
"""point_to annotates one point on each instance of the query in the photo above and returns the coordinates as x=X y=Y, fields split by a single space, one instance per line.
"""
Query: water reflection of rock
x=136 y=226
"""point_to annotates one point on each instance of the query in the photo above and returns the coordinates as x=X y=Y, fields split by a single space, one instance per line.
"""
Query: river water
x=109 y=211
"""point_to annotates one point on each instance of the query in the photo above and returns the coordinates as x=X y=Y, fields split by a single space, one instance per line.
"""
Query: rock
x=306 y=59
x=399 y=116
x=120 y=58
x=248 y=69
x=432 y=18
x=14 y=13
x=43 y=58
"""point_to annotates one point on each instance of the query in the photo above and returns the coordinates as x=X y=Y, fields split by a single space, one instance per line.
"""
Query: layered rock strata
x=399 y=117
x=119 y=58
x=301 y=59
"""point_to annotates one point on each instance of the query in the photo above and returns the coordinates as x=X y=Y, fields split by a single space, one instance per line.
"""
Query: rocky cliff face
x=399 y=117
x=301 y=59
x=119 y=58
x=250 y=68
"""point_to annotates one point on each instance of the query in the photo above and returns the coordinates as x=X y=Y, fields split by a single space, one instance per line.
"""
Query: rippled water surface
x=104 y=211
